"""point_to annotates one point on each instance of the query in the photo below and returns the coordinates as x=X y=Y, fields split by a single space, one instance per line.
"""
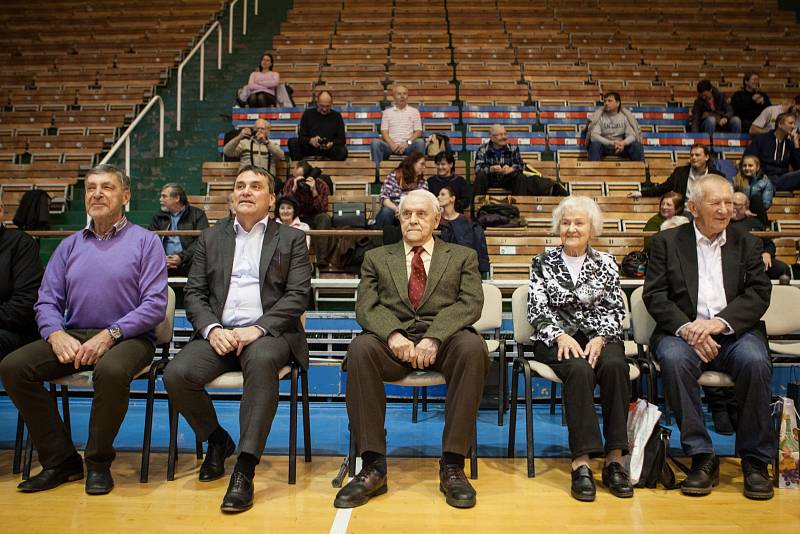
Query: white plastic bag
x=642 y=419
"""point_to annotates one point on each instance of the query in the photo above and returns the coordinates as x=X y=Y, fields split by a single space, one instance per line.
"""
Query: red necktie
x=416 y=283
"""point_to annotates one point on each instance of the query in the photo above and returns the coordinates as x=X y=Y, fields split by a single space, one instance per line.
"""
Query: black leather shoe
x=51 y=478
x=458 y=492
x=239 y=497
x=99 y=481
x=213 y=467
x=757 y=484
x=703 y=476
x=368 y=483
x=583 y=488
x=722 y=423
x=616 y=479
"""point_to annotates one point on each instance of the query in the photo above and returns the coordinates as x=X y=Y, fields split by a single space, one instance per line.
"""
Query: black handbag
x=349 y=215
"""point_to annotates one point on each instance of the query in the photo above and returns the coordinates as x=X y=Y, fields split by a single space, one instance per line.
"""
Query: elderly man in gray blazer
x=247 y=289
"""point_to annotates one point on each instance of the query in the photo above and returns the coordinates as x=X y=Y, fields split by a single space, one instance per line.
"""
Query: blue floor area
x=329 y=434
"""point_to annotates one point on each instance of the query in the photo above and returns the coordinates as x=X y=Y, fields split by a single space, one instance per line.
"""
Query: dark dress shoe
x=616 y=479
x=51 y=478
x=213 y=467
x=239 y=497
x=583 y=488
x=457 y=490
x=368 y=483
x=703 y=476
x=722 y=423
x=757 y=483
x=99 y=481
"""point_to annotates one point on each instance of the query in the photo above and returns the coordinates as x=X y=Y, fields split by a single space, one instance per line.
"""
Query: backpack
x=499 y=215
x=655 y=467
x=436 y=143
x=634 y=264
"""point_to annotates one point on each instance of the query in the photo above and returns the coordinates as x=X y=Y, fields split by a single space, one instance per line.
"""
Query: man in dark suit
x=684 y=177
x=416 y=302
x=247 y=289
x=707 y=290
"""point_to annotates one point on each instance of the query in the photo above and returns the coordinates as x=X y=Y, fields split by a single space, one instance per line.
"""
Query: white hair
x=578 y=203
x=674 y=222
x=422 y=194
x=698 y=191
x=494 y=128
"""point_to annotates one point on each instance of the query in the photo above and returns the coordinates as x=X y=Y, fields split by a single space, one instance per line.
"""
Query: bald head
x=740 y=205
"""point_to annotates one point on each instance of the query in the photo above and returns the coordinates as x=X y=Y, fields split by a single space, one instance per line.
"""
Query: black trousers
x=11 y=341
x=462 y=359
x=579 y=379
x=517 y=183
x=197 y=364
x=299 y=150
x=24 y=370
x=261 y=100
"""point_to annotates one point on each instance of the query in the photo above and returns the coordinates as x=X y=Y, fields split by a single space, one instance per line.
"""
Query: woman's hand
x=568 y=348
x=593 y=349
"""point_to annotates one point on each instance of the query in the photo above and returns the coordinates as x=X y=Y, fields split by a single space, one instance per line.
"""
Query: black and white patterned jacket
x=593 y=306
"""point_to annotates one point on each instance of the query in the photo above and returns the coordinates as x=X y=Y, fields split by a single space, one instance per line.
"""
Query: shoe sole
x=700 y=492
x=582 y=498
x=70 y=478
x=457 y=503
x=235 y=509
x=759 y=495
x=618 y=494
x=351 y=504
x=102 y=491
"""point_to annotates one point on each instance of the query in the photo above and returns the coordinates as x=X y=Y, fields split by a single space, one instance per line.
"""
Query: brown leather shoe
x=458 y=492
x=368 y=483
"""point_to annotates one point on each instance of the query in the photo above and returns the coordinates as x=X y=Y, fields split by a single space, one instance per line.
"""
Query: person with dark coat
x=457 y=228
x=779 y=153
x=320 y=133
x=177 y=214
x=682 y=178
x=712 y=112
x=749 y=101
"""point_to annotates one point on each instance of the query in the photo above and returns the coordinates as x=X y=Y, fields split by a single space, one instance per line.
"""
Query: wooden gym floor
x=508 y=501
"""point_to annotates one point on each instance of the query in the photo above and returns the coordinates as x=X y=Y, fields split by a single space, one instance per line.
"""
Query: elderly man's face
x=739 y=206
x=169 y=204
x=713 y=212
x=499 y=137
x=261 y=130
x=418 y=220
x=251 y=196
x=575 y=230
x=105 y=197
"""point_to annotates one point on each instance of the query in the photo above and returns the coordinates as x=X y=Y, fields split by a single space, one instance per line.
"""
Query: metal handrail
x=125 y=137
x=202 y=46
x=244 y=21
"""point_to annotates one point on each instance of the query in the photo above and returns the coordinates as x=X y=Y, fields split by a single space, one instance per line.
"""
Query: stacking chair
x=83 y=379
x=522 y=336
x=782 y=319
x=235 y=380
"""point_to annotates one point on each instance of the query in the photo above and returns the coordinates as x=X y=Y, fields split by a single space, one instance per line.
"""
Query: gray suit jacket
x=285 y=282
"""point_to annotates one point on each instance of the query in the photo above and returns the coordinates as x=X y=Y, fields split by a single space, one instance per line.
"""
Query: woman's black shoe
x=583 y=488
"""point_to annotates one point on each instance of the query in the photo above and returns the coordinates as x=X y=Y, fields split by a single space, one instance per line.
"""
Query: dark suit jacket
x=453 y=296
x=677 y=181
x=285 y=282
x=671 y=285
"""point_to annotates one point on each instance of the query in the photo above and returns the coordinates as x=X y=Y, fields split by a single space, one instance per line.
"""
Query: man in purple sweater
x=104 y=292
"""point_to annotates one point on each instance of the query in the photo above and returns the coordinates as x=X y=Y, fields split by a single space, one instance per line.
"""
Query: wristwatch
x=116 y=333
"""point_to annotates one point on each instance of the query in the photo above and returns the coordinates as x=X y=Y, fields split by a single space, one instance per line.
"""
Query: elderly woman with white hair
x=575 y=306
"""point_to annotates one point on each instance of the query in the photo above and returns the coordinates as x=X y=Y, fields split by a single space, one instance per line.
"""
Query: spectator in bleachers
x=103 y=294
x=409 y=175
x=749 y=101
x=499 y=164
x=712 y=112
x=20 y=276
x=766 y=120
x=311 y=193
x=177 y=214
x=707 y=291
x=286 y=210
x=670 y=205
x=779 y=153
x=263 y=84
x=613 y=131
x=758 y=188
x=258 y=151
x=575 y=306
x=320 y=133
x=456 y=228
x=401 y=130
x=742 y=217
x=425 y=323
x=446 y=175
x=683 y=177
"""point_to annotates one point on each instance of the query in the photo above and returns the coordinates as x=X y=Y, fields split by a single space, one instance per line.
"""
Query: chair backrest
x=626 y=320
x=643 y=322
x=783 y=315
x=519 y=316
x=164 y=329
x=492 y=311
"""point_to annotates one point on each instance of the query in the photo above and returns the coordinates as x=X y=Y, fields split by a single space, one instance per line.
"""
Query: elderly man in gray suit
x=247 y=289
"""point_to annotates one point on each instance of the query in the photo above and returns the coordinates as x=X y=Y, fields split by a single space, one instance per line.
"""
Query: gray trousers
x=197 y=364
x=24 y=370
x=747 y=361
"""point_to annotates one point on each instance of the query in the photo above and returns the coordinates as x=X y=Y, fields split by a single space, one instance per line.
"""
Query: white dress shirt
x=427 y=253
x=243 y=305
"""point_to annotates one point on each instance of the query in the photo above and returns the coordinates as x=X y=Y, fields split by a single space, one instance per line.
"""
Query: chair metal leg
x=414 y=403
x=473 y=454
x=306 y=415
x=26 y=464
x=65 y=410
x=512 y=412
x=526 y=368
x=17 y=464
x=425 y=399
x=293 y=428
x=501 y=383
x=553 y=397
x=172 y=454
x=144 y=470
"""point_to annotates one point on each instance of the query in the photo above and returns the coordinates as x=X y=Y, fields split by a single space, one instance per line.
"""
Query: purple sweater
x=90 y=283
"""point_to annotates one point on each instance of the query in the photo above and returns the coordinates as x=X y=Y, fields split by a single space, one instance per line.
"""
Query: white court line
x=342 y=518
